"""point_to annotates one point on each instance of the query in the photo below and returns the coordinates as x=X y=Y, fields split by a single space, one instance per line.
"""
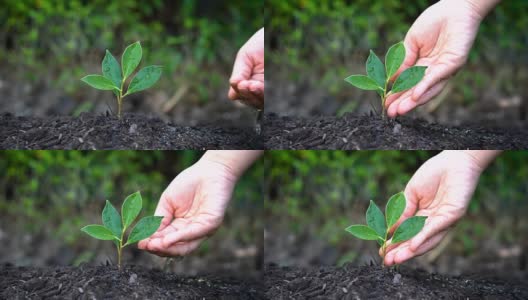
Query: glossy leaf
x=376 y=69
x=131 y=208
x=363 y=82
x=99 y=232
x=408 y=229
x=408 y=79
x=111 y=69
x=144 y=79
x=99 y=82
x=363 y=232
x=131 y=58
x=112 y=219
x=394 y=58
x=394 y=209
x=144 y=228
x=376 y=219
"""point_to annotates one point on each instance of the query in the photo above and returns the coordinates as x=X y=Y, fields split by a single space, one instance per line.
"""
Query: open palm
x=441 y=190
x=441 y=39
x=193 y=207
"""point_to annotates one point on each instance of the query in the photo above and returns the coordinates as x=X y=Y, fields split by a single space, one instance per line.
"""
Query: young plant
x=378 y=226
x=114 y=226
x=379 y=76
x=114 y=76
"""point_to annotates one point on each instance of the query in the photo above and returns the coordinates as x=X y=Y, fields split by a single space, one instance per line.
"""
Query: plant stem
x=119 y=248
x=119 y=105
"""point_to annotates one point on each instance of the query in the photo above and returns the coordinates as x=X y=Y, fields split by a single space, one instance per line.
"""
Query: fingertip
x=392 y=111
x=232 y=95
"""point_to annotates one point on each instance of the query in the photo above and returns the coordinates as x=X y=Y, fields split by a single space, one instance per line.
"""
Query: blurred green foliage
x=55 y=193
x=321 y=42
x=322 y=192
x=61 y=41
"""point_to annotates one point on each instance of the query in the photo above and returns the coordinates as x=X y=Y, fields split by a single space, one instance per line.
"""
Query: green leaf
x=131 y=58
x=99 y=232
x=363 y=82
x=144 y=228
x=376 y=69
x=144 y=79
x=376 y=219
x=394 y=58
x=408 y=229
x=395 y=208
x=363 y=232
x=408 y=79
x=99 y=82
x=111 y=69
x=131 y=208
x=112 y=219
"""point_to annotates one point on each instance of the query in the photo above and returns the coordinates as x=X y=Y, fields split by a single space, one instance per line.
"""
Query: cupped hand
x=193 y=207
x=440 y=39
x=247 y=79
x=441 y=189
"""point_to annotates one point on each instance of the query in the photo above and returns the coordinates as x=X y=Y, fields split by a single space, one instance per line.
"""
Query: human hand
x=247 y=79
x=193 y=207
x=440 y=39
x=441 y=190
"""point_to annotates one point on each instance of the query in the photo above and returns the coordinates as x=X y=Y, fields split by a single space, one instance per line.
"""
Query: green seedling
x=379 y=76
x=378 y=226
x=114 y=226
x=115 y=76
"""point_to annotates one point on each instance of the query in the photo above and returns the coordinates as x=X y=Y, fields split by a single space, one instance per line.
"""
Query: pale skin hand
x=247 y=79
x=194 y=203
x=441 y=189
x=440 y=39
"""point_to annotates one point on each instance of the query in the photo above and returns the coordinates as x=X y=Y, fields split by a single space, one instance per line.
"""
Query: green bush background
x=53 y=194
x=319 y=193
x=322 y=42
x=60 y=41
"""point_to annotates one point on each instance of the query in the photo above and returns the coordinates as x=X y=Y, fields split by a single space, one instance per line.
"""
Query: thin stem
x=119 y=248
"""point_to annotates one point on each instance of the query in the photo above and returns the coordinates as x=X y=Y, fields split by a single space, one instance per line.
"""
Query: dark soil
x=107 y=282
x=133 y=131
x=373 y=282
x=371 y=132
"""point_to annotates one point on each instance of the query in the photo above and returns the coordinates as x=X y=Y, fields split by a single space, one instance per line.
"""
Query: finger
x=257 y=88
x=394 y=97
x=241 y=69
x=409 y=104
x=232 y=94
x=433 y=75
x=433 y=226
x=403 y=254
x=195 y=230
x=182 y=249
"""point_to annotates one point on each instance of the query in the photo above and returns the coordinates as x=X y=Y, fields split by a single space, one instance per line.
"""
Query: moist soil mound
x=374 y=282
x=133 y=131
x=353 y=132
x=107 y=282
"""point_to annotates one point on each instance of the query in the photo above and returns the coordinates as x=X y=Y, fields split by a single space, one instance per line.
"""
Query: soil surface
x=373 y=282
x=371 y=132
x=107 y=282
x=133 y=131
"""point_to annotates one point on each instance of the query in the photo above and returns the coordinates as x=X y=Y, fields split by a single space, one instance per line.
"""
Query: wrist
x=481 y=7
x=233 y=162
x=480 y=159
